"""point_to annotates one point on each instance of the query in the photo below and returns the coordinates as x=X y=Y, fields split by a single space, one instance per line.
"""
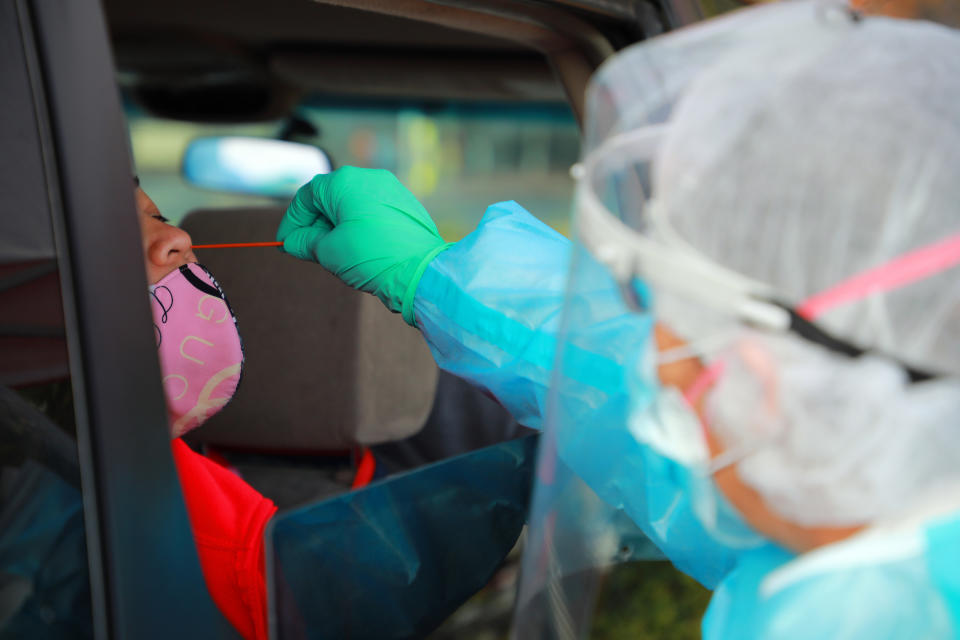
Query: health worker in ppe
x=755 y=355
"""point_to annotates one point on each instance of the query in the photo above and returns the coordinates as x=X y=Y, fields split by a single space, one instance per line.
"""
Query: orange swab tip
x=233 y=245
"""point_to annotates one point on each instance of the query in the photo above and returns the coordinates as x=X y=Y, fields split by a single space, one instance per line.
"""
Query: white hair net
x=801 y=166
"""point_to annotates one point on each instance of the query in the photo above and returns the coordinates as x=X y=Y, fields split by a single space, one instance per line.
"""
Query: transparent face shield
x=650 y=326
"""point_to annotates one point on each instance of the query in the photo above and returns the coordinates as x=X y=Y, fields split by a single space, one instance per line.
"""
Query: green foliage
x=642 y=600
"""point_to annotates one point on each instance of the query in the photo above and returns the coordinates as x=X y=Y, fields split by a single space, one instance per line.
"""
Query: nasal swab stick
x=232 y=245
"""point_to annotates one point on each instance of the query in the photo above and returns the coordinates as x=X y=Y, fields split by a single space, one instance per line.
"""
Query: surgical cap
x=801 y=166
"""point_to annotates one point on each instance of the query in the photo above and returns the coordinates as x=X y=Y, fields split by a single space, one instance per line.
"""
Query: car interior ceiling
x=263 y=57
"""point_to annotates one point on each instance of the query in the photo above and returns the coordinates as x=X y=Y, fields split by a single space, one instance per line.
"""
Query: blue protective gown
x=490 y=310
x=878 y=584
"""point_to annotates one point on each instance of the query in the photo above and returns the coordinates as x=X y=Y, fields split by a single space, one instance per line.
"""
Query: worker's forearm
x=490 y=309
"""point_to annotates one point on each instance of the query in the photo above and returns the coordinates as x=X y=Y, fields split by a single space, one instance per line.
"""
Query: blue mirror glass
x=258 y=166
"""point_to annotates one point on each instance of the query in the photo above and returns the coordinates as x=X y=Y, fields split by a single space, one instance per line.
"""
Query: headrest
x=326 y=367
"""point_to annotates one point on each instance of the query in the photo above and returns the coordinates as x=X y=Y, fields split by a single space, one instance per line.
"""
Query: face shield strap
x=914 y=266
x=810 y=332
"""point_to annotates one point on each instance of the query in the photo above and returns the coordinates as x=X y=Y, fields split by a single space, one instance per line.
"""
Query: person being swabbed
x=201 y=360
x=759 y=354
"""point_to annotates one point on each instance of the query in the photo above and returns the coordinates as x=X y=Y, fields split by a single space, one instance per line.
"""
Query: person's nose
x=170 y=248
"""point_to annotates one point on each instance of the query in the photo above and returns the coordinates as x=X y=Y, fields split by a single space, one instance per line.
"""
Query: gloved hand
x=366 y=228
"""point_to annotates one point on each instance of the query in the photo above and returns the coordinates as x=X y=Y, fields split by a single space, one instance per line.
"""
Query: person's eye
x=160 y=218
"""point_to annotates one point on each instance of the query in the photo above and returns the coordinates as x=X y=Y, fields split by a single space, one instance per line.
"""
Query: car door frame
x=145 y=576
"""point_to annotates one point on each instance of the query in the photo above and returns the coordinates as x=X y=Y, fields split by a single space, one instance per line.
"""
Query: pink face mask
x=201 y=356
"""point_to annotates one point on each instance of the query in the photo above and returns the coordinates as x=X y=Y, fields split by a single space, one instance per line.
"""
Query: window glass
x=44 y=581
x=457 y=158
x=397 y=549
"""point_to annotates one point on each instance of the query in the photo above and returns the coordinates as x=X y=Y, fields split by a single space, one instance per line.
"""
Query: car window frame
x=145 y=575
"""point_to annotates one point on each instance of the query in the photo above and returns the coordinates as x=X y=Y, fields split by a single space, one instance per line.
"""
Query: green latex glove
x=366 y=228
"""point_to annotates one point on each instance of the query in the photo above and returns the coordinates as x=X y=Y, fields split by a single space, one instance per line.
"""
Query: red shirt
x=228 y=517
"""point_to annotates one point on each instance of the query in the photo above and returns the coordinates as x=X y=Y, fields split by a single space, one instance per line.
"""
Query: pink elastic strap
x=695 y=391
x=908 y=268
x=704 y=381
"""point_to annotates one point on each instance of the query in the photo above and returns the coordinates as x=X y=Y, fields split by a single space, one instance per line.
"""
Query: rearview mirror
x=258 y=166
